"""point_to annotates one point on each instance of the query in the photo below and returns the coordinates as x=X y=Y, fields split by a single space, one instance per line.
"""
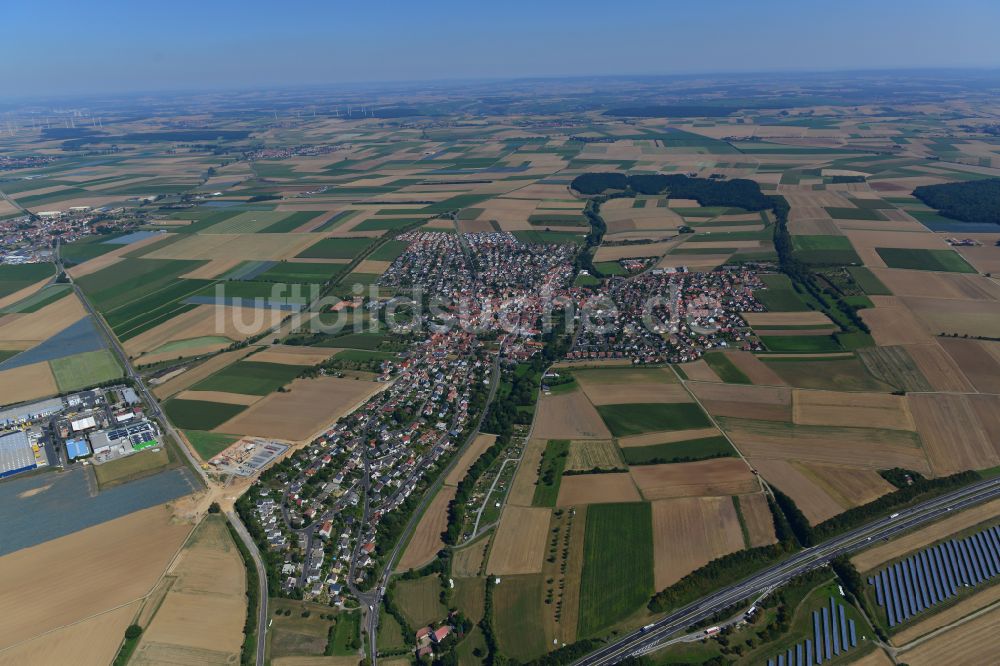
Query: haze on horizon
x=58 y=47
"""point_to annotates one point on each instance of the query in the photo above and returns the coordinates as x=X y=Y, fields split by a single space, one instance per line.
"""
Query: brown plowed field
x=874 y=410
x=813 y=501
x=937 y=285
x=894 y=325
x=741 y=401
x=27 y=383
x=856 y=447
x=699 y=371
x=942 y=315
x=753 y=368
x=954 y=438
x=597 y=489
x=293 y=355
x=690 y=532
x=522 y=489
x=940 y=369
x=426 y=540
x=568 y=416
x=519 y=544
x=105 y=575
x=720 y=476
x=471 y=455
x=848 y=486
x=981 y=367
x=757 y=516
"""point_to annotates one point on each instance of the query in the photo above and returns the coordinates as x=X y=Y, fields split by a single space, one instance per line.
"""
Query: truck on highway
x=711 y=631
x=647 y=628
x=894 y=515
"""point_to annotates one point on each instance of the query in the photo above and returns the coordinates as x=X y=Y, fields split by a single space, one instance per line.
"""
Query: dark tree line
x=971 y=201
x=739 y=192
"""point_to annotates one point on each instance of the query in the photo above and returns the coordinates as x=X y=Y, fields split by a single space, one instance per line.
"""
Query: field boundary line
x=948 y=627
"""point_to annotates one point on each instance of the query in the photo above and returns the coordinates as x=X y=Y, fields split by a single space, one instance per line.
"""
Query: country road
x=157 y=412
x=644 y=640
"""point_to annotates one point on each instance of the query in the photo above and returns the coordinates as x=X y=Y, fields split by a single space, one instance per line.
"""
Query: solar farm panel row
x=935 y=574
x=833 y=635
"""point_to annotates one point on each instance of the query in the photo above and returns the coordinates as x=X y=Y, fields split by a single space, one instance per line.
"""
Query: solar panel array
x=833 y=635
x=933 y=575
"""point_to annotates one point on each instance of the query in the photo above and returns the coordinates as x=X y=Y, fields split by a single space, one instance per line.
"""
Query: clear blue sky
x=54 y=47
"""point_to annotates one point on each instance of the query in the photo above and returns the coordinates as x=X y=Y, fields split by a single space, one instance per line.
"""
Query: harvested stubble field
x=758 y=519
x=720 y=476
x=836 y=373
x=519 y=544
x=36 y=326
x=892 y=323
x=856 y=447
x=293 y=355
x=830 y=408
x=957 y=430
x=950 y=615
x=894 y=366
x=202 y=321
x=690 y=532
x=568 y=416
x=937 y=285
x=202 y=616
x=468 y=560
x=308 y=406
x=773 y=403
x=92 y=641
x=594 y=454
x=955 y=317
x=105 y=575
x=522 y=489
x=597 y=489
x=963 y=644
x=471 y=455
x=426 y=541
x=27 y=383
x=939 y=369
x=604 y=394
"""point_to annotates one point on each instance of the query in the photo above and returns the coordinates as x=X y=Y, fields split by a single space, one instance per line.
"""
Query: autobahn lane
x=802 y=562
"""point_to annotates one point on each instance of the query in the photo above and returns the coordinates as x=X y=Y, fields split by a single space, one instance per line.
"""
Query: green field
x=250 y=378
x=291 y=222
x=610 y=268
x=366 y=341
x=836 y=374
x=84 y=370
x=517 y=616
x=121 y=470
x=637 y=418
x=389 y=250
x=200 y=414
x=16 y=277
x=38 y=300
x=801 y=343
x=617 y=574
x=345 y=639
x=85 y=249
x=870 y=284
x=947 y=261
x=725 y=368
x=192 y=343
x=674 y=452
x=336 y=248
x=848 y=213
x=248 y=222
x=780 y=295
x=550 y=472
x=825 y=250
x=419 y=600
x=385 y=223
x=208 y=444
x=532 y=236
x=363 y=356
x=301 y=272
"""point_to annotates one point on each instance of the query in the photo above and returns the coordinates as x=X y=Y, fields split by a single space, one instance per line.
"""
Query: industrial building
x=19 y=454
x=124 y=440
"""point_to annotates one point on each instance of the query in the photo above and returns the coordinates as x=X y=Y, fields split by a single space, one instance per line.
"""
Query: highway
x=802 y=562
x=157 y=412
